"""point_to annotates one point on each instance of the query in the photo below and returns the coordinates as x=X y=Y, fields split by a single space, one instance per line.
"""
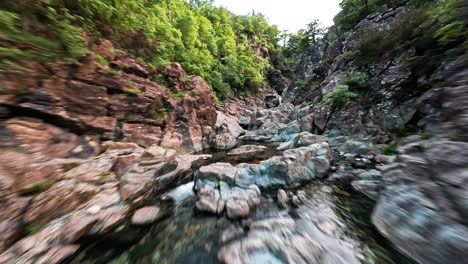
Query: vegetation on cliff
x=229 y=51
x=436 y=28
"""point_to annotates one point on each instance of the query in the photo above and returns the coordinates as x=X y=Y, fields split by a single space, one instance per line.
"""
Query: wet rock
x=283 y=199
x=246 y=149
x=209 y=200
x=282 y=240
x=305 y=139
x=356 y=147
x=295 y=166
x=425 y=219
x=238 y=202
x=146 y=215
x=384 y=159
x=225 y=141
x=286 y=145
x=221 y=171
x=237 y=208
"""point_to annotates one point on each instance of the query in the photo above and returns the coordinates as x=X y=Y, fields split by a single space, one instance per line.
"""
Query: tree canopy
x=227 y=50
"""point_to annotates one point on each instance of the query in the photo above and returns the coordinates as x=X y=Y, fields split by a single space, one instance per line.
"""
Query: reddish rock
x=48 y=141
x=173 y=70
x=146 y=215
x=60 y=199
x=105 y=49
x=130 y=64
x=143 y=135
x=57 y=254
x=97 y=170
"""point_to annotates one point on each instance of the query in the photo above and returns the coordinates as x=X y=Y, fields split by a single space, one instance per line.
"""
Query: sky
x=290 y=15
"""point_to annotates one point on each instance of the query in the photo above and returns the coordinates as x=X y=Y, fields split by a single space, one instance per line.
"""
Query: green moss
x=161 y=114
x=110 y=71
x=179 y=95
x=15 y=149
x=390 y=149
x=68 y=167
x=329 y=60
x=102 y=60
x=33 y=229
x=351 y=53
x=37 y=187
x=104 y=175
x=132 y=91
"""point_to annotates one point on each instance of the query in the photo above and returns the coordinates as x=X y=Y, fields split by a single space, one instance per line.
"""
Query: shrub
x=33 y=229
x=161 y=114
x=390 y=149
x=355 y=80
x=180 y=94
x=351 y=53
x=340 y=96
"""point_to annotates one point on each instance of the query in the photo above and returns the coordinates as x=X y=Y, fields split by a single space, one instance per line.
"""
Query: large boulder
x=424 y=203
x=296 y=166
x=236 y=202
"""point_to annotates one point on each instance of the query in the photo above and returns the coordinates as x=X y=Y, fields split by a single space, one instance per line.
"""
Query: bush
x=355 y=80
x=340 y=96
x=33 y=229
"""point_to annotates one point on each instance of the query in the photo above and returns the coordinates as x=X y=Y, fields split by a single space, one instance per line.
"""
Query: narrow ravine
x=333 y=212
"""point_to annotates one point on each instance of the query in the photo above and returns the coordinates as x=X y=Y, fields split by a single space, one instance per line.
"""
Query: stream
x=187 y=236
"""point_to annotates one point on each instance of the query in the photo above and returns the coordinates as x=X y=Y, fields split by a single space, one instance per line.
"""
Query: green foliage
x=301 y=83
x=37 y=187
x=103 y=61
x=16 y=149
x=355 y=80
x=208 y=41
x=340 y=96
x=132 y=91
x=161 y=114
x=104 y=175
x=33 y=229
x=353 y=11
x=303 y=39
x=180 y=94
x=68 y=167
x=435 y=29
x=351 y=53
x=390 y=149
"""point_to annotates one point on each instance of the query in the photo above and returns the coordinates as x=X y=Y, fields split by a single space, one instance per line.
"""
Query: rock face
x=91 y=196
x=275 y=124
x=228 y=130
x=423 y=207
x=120 y=103
x=53 y=161
x=395 y=96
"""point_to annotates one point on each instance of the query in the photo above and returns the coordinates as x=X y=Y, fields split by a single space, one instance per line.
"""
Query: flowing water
x=189 y=237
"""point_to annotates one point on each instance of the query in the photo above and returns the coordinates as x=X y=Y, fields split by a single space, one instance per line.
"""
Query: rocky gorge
x=113 y=161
